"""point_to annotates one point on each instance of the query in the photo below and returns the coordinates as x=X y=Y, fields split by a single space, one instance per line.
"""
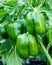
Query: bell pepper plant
x=26 y=32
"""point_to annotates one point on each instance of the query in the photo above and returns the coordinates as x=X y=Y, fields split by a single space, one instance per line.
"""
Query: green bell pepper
x=15 y=28
x=50 y=30
x=35 y=22
x=49 y=34
x=26 y=45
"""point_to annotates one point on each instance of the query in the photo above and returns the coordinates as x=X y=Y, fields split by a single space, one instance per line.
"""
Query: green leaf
x=5 y=46
x=4 y=10
x=10 y=2
x=49 y=2
x=48 y=12
x=12 y=59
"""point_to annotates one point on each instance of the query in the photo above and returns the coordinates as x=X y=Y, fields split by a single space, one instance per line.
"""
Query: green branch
x=44 y=49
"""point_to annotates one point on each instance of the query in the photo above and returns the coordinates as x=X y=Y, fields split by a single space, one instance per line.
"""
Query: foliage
x=28 y=16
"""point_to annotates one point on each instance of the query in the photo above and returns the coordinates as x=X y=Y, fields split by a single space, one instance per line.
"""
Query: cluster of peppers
x=20 y=29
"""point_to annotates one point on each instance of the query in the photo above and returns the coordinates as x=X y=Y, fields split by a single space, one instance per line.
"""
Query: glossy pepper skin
x=50 y=30
x=26 y=45
x=35 y=22
x=13 y=29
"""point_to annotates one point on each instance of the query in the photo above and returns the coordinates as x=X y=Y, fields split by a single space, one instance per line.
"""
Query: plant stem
x=46 y=53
